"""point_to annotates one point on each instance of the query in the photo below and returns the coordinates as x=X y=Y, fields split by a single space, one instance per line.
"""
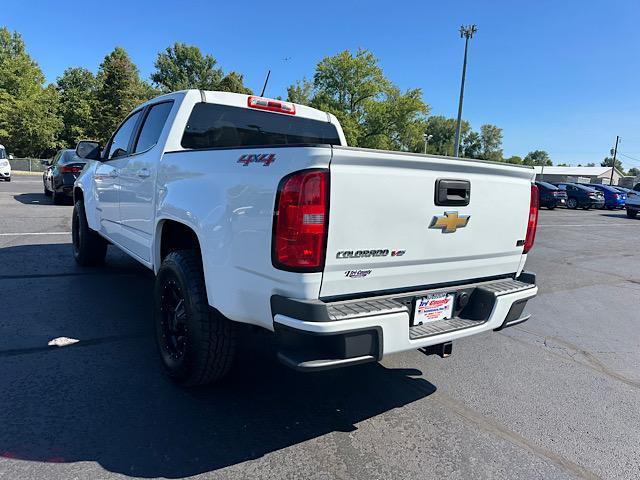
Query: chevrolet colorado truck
x=255 y=211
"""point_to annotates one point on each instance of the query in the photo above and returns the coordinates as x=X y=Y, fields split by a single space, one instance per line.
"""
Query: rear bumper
x=314 y=335
x=63 y=184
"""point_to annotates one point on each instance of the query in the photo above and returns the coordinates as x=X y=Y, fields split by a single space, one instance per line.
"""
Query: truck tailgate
x=386 y=231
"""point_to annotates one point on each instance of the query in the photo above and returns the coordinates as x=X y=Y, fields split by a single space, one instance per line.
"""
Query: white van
x=5 y=167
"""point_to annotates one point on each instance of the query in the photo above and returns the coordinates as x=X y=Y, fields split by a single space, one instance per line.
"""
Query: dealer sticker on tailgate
x=433 y=307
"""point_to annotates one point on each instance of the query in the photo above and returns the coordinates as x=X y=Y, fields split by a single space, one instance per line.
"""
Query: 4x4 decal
x=265 y=159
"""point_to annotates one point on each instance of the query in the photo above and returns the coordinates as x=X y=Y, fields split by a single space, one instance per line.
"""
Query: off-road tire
x=208 y=343
x=89 y=248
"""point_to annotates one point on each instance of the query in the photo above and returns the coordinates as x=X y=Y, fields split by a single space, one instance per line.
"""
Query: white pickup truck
x=254 y=211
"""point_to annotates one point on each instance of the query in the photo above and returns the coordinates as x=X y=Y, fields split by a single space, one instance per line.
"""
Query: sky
x=561 y=76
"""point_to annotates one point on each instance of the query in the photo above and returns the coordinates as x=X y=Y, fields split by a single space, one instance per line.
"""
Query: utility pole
x=466 y=33
x=613 y=167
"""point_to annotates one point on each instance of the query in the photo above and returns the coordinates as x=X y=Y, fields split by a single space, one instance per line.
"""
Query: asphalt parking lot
x=557 y=397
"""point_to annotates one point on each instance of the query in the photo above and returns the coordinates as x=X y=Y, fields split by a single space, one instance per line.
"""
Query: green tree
x=29 y=120
x=181 y=66
x=471 y=145
x=591 y=164
x=491 y=140
x=372 y=111
x=77 y=88
x=608 y=161
x=515 y=159
x=634 y=172
x=443 y=130
x=233 y=82
x=537 y=157
x=301 y=92
x=119 y=90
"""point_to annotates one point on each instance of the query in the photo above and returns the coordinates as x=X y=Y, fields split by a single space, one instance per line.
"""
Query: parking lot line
x=33 y=233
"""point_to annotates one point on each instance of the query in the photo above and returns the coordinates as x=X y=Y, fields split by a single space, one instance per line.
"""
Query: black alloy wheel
x=173 y=320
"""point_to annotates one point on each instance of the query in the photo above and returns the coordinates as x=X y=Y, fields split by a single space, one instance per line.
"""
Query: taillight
x=271 y=105
x=70 y=169
x=616 y=196
x=532 y=224
x=300 y=221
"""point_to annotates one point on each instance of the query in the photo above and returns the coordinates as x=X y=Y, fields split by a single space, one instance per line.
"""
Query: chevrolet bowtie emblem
x=449 y=222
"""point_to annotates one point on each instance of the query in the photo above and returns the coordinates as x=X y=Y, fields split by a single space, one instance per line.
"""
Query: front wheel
x=632 y=213
x=197 y=345
x=89 y=248
x=572 y=203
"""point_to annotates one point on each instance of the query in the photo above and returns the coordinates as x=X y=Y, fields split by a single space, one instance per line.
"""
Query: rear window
x=219 y=126
x=68 y=156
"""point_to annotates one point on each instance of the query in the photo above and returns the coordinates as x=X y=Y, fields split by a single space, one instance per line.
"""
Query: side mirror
x=88 y=149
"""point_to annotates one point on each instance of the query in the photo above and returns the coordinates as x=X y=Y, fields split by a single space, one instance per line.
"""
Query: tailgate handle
x=453 y=193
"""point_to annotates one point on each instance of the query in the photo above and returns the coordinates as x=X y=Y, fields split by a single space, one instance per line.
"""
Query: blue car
x=613 y=198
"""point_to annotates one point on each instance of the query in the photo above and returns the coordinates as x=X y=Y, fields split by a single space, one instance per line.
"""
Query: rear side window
x=153 y=125
x=218 y=126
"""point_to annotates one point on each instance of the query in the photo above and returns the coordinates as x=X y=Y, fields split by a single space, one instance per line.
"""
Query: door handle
x=143 y=173
x=452 y=192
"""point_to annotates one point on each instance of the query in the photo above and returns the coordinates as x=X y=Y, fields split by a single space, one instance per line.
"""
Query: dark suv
x=551 y=196
x=581 y=196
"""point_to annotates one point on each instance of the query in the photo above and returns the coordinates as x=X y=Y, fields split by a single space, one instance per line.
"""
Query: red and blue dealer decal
x=265 y=159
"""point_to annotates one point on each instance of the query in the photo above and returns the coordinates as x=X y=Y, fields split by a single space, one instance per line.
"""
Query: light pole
x=466 y=33
x=426 y=140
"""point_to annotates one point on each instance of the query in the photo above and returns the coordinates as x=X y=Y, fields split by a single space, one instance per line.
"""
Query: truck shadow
x=104 y=399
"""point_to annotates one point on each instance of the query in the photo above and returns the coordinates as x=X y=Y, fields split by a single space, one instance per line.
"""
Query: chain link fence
x=27 y=164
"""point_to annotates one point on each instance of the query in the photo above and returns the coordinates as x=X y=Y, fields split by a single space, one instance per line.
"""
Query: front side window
x=219 y=126
x=153 y=125
x=120 y=143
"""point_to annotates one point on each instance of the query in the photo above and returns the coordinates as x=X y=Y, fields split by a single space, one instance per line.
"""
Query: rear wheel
x=89 y=248
x=572 y=203
x=197 y=344
x=632 y=213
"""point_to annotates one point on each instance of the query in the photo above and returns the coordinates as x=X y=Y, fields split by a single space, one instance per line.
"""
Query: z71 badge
x=357 y=273
x=265 y=159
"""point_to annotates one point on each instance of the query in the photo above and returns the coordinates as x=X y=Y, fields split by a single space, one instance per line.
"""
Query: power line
x=629 y=157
